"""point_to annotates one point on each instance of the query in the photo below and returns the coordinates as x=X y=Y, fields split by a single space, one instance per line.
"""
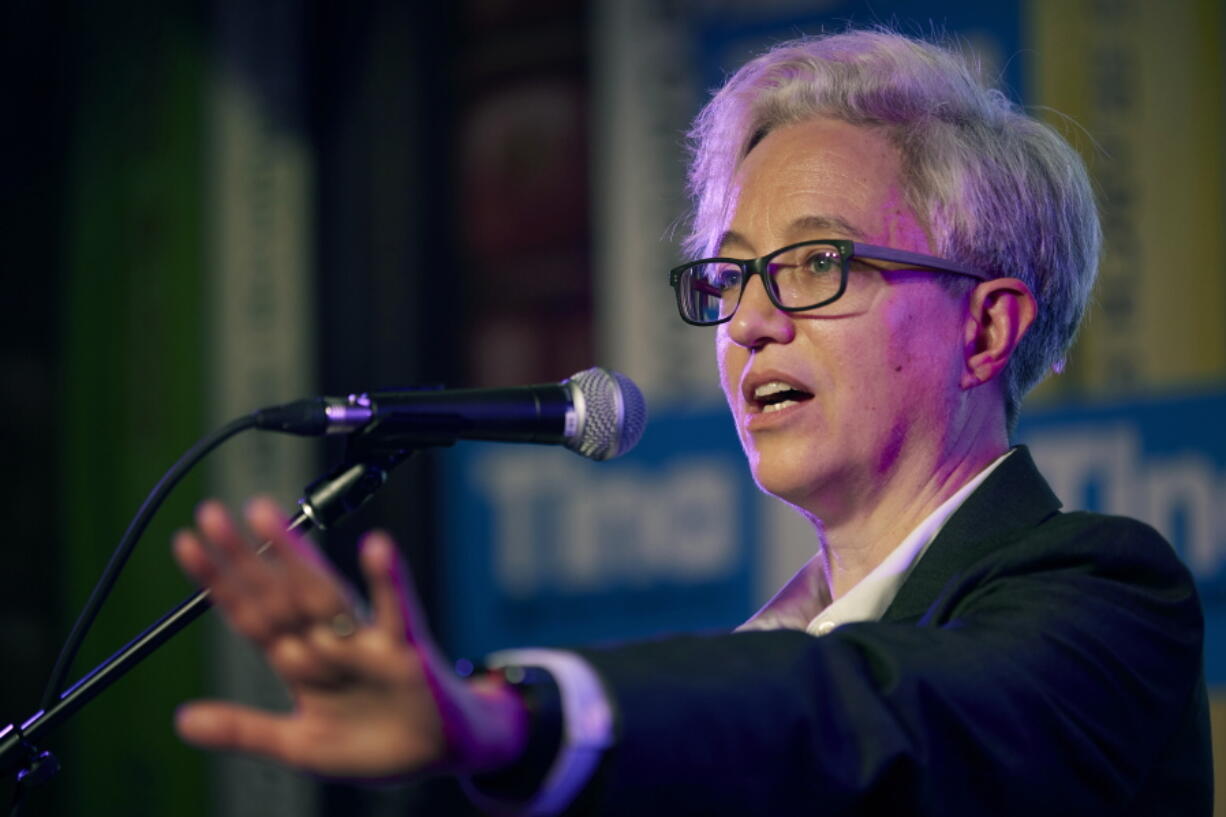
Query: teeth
x=769 y=407
x=773 y=387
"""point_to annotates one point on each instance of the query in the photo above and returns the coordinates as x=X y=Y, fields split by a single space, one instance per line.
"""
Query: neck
x=872 y=515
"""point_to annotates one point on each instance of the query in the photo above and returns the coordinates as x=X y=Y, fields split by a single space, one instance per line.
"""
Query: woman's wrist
x=533 y=722
x=503 y=725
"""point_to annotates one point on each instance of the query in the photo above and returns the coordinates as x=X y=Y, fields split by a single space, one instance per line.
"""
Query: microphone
x=596 y=413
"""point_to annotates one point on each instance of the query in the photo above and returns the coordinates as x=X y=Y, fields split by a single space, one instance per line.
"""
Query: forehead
x=822 y=178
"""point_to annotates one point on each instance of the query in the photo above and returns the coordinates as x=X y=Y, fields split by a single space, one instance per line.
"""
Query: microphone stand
x=326 y=501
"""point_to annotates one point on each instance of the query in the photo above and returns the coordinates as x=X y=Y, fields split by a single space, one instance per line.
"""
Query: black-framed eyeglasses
x=806 y=275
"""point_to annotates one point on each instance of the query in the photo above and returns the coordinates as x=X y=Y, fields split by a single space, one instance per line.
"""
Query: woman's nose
x=757 y=320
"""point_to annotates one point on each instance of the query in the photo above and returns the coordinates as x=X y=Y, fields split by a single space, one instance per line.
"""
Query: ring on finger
x=343 y=625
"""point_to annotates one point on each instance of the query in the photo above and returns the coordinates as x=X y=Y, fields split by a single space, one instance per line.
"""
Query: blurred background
x=216 y=205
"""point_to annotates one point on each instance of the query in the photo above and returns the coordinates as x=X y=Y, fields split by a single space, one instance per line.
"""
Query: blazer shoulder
x=1097 y=535
x=1098 y=554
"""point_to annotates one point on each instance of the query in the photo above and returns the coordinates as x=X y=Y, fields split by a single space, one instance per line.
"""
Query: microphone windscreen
x=612 y=414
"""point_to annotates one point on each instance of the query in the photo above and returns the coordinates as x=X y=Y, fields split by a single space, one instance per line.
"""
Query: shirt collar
x=804 y=602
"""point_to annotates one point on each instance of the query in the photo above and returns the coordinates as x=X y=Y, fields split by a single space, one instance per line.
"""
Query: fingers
x=270 y=525
x=385 y=582
x=397 y=611
x=217 y=725
x=265 y=595
x=317 y=592
x=399 y=618
x=370 y=700
x=231 y=727
x=252 y=587
x=290 y=602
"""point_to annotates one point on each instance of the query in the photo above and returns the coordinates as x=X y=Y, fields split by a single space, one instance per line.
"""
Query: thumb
x=221 y=725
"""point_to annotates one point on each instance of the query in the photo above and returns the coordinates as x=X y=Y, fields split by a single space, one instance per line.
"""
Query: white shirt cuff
x=587 y=731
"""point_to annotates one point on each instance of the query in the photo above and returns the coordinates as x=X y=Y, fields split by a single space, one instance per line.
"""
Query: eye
x=719 y=275
x=821 y=261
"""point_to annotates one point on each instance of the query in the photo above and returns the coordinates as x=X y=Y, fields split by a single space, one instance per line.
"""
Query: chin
x=790 y=483
x=799 y=474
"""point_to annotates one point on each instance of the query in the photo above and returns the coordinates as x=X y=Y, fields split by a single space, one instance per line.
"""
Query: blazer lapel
x=1014 y=496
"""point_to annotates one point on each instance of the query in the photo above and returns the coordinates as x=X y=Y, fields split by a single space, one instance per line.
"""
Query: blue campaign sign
x=544 y=547
x=1162 y=461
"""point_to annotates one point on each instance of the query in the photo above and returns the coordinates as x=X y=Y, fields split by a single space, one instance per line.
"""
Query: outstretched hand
x=373 y=696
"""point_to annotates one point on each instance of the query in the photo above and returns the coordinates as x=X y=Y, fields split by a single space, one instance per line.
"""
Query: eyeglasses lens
x=800 y=277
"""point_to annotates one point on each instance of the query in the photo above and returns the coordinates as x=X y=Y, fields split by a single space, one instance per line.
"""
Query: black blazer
x=1034 y=663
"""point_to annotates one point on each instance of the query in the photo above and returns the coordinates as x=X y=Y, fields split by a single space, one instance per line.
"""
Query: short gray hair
x=993 y=187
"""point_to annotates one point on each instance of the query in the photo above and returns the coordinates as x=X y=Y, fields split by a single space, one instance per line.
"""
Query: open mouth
x=777 y=395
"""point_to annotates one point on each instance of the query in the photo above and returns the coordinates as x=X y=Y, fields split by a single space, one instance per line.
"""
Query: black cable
x=127 y=544
x=304 y=417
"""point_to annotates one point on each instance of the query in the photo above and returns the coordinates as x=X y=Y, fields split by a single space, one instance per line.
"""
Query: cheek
x=730 y=358
x=888 y=360
x=921 y=352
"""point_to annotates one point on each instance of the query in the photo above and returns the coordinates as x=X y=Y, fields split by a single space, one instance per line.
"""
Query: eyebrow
x=805 y=224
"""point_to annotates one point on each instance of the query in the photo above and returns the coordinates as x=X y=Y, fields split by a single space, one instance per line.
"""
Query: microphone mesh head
x=612 y=414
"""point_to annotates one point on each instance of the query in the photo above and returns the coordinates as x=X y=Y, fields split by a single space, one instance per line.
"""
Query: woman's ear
x=998 y=314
